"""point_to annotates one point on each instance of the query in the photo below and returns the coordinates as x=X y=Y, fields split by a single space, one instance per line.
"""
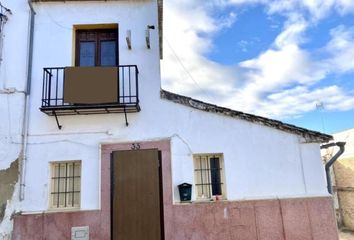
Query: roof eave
x=308 y=135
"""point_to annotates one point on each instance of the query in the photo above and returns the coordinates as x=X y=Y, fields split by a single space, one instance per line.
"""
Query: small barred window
x=208 y=176
x=65 y=184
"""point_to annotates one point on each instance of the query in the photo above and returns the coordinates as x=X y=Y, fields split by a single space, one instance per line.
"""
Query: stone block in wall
x=346 y=199
x=344 y=173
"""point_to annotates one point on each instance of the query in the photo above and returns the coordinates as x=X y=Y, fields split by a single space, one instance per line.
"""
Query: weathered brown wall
x=8 y=179
x=344 y=175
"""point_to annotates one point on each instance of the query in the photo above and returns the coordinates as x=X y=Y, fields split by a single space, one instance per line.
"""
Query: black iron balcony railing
x=90 y=90
x=61 y=91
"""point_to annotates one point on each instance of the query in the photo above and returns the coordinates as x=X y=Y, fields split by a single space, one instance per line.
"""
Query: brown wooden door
x=136 y=212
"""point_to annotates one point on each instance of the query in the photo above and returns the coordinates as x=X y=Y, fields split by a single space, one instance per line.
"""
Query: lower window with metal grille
x=65 y=184
x=209 y=176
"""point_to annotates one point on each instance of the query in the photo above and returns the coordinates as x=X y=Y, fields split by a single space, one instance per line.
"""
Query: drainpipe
x=23 y=157
x=331 y=161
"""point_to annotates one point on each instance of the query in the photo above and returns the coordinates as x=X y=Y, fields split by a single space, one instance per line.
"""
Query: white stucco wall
x=12 y=79
x=13 y=76
x=260 y=162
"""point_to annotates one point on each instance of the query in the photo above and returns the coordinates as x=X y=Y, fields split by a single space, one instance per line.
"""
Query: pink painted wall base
x=289 y=219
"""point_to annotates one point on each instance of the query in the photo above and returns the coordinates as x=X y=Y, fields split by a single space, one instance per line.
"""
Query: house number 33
x=135 y=146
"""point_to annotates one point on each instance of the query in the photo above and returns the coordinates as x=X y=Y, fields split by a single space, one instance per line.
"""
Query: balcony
x=90 y=90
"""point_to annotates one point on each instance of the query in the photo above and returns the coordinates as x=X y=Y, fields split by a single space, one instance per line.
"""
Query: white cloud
x=345 y=6
x=185 y=67
x=279 y=82
x=341 y=49
x=293 y=34
x=317 y=9
x=301 y=99
x=276 y=69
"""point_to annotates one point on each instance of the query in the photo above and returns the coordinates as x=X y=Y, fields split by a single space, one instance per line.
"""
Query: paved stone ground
x=346 y=235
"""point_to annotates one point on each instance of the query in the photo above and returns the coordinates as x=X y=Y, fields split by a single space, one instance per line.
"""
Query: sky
x=289 y=60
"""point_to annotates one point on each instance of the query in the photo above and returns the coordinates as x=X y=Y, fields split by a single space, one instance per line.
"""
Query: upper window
x=65 y=184
x=209 y=175
x=96 y=47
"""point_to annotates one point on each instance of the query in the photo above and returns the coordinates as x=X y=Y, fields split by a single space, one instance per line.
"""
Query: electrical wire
x=59 y=141
x=58 y=24
x=184 y=141
x=184 y=68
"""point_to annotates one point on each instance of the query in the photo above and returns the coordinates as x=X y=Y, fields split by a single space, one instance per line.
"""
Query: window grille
x=66 y=184
x=209 y=175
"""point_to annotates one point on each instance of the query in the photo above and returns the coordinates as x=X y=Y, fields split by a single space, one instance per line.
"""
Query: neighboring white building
x=342 y=177
x=99 y=176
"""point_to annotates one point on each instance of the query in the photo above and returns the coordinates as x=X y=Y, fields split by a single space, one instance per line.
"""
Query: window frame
x=55 y=190
x=197 y=181
x=102 y=28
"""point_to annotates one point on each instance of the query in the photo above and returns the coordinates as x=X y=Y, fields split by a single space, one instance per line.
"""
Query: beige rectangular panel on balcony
x=90 y=85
